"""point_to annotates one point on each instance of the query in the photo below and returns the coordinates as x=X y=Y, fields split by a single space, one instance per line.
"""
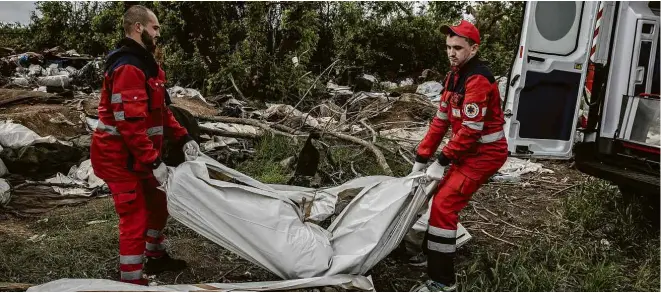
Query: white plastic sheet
x=82 y=176
x=513 y=168
x=264 y=224
x=5 y=192
x=14 y=135
x=346 y=282
x=231 y=127
x=3 y=168
x=431 y=89
x=218 y=142
x=54 y=80
x=179 y=92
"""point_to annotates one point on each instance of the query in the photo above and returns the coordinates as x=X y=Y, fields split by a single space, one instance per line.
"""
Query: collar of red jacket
x=466 y=66
x=130 y=46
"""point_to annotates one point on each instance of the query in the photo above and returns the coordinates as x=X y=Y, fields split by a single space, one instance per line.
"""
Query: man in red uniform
x=470 y=104
x=126 y=146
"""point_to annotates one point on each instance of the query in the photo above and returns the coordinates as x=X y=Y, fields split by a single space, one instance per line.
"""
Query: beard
x=149 y=41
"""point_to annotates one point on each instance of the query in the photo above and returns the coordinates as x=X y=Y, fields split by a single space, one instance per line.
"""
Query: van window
x=646 y=123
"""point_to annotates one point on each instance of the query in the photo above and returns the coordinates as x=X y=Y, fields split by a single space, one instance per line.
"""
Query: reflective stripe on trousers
x=130 y=276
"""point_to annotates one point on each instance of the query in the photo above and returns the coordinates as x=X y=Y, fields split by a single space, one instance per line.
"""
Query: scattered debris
x=186 y=93
x=5 y=192
x=431 y=89
x=336 y=90
x=406 y=82
x=55 y=68
x=37 y=238
x=96 y=222
x=513 y=168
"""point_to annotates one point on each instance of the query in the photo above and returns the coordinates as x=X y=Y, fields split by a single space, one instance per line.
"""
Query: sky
x=16 y=11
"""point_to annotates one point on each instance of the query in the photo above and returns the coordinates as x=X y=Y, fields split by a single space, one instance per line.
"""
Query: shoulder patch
x=471 y=110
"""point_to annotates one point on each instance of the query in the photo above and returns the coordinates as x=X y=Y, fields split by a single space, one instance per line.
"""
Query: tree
x=215 y=46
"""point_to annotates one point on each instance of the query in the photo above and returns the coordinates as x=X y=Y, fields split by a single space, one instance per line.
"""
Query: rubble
x=54 y=68
x=431 y=89
x=187 y=93
x=513 y=168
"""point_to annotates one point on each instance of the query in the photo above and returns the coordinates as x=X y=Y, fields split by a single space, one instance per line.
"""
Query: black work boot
x=163 y=264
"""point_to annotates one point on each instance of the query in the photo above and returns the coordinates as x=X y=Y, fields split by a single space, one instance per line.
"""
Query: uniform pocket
x=125 y=196
x=157 y=90
x=135 y=103
x=461 y=183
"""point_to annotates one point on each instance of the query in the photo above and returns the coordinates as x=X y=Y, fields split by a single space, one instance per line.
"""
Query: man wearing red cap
x=470 y=104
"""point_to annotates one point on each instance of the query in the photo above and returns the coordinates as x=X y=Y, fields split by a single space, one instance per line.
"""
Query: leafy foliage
x=207 y=45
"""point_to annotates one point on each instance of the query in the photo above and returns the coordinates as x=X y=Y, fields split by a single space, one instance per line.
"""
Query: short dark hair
x=470 y=41
x=135 y=13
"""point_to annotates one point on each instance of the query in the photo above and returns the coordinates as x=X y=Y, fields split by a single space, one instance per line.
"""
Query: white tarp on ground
x=82 y=176
x=515 y=167
x=5 y=192
x=14 y=135
x=187 y=93
x=347 y=282
x=431 y=89
x=232 y=127
x=265 y=225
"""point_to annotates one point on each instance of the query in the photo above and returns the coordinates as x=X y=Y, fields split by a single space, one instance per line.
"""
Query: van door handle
x=533 y=58
x=640 y=74
x=514 y=79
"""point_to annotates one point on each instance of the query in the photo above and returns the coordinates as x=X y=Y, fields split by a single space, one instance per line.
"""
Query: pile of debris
x=53 y=70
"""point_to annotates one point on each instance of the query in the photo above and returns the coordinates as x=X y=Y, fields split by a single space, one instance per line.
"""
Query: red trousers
x=142 y=210
x=454 y=191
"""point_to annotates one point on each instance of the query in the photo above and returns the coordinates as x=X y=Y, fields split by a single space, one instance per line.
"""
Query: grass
x=271 y=150
x=70 y=248
x=605 y=245
x=604 y=242
x=265 y=166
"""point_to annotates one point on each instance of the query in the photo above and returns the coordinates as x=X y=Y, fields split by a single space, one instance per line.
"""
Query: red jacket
x=133 y=116
x=470 y=103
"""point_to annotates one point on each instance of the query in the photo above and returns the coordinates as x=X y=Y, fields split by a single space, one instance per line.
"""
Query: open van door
x=547 y=77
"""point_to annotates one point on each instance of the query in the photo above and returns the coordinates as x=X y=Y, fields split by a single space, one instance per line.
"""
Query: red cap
x=463 y=29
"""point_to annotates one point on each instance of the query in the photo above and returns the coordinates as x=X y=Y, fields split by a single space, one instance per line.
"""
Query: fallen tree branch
x=231 y=270
x=478 y=222
x=224 y=133
x=362 y=122
x=310 y=88
x=565 y=189
x=14 y=287
x=354 y=170
x=515 y=227
x=399 y=150
x=526 y=230
x=503 y=240
x=488 y=211
x=478 y=213
x=245 y=121
x=49 y=184
x=236 y=88
x=380 y=159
